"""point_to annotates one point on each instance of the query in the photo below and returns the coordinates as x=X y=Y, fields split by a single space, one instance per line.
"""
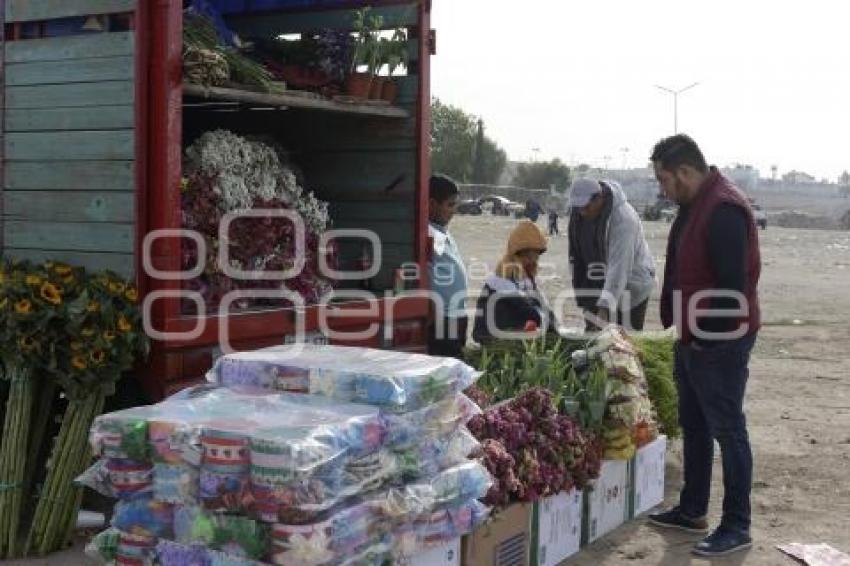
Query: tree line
x=461 y=149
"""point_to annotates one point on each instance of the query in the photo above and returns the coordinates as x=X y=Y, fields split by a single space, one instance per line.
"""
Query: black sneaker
x=722 y=542
x=674 y=519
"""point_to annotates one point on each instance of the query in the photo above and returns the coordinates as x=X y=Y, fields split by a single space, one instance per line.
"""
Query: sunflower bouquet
x=60 y=328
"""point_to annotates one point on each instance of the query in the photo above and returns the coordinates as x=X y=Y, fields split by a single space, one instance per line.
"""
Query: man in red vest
x=710 y=295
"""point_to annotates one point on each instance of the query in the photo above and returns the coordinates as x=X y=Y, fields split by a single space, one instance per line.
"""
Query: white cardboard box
x=446 y=554
x=607 y=504
x=649 y=475
x=558 y=527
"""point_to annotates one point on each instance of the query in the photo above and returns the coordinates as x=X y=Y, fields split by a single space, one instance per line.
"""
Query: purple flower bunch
x=533 y=451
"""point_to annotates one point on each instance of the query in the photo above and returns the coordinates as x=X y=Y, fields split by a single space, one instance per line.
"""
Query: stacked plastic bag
x=238 y=472
x=629 y=419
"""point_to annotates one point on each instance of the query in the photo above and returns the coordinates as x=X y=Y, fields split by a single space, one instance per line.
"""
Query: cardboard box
x=556 y=528
x=504 y=540
x=446 y=554
x=649 y=476
x=606 y=505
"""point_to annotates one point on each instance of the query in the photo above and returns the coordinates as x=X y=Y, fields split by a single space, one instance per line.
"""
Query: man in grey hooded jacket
x=612 y=268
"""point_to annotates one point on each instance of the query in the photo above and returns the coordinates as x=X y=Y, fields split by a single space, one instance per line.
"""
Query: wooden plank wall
x=69 y=141
x=364 y=166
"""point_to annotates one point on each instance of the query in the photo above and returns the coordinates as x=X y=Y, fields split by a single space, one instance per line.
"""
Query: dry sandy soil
x=798 y=401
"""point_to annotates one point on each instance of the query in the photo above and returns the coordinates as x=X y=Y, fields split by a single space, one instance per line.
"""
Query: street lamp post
x=676 y=94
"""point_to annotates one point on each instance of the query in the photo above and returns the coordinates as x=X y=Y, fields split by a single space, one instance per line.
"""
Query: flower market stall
x=311 y=455
x=128 y=122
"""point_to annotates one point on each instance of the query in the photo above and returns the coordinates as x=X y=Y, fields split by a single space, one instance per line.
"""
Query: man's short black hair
x=442 y=188
x=678 y=150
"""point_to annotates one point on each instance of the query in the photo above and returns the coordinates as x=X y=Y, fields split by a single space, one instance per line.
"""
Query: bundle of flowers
x=60 y=330
x=532 y=451
x=226 y=173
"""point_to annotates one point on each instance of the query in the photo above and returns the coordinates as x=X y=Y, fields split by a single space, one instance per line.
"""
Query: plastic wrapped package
x=463 y=482
x=307 y=449
x=396 y=381
x=145 y=517
x=437 y=527
x=427 y=458
x=325 y=541
x=439 y=419
x=342 y=530
x=234 y=535
x=302 y=500
x=103 y=547
x=121 y=439
x=135 y=550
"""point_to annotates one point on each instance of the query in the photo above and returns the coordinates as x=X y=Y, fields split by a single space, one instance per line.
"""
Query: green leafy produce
x=656 y=356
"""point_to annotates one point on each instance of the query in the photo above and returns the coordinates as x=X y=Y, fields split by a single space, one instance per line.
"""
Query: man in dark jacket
x=710 y=295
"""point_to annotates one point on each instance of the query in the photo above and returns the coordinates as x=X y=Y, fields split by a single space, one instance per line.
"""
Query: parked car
x=498 y=205
x=470 y=206
x=761 y=216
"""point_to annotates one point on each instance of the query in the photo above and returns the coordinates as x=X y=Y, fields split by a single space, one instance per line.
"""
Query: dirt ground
x=798 y=400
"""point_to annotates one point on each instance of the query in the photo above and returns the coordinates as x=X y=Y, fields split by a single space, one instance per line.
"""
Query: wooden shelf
x=289 y=100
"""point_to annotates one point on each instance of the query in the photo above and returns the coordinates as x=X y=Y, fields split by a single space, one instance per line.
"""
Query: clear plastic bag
x=396 y=381
x=437 y=420
x=228 y=449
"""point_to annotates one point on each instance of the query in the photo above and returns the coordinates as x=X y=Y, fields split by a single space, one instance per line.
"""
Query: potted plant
x=365 y=52
x=376 y=63
x=395 y=56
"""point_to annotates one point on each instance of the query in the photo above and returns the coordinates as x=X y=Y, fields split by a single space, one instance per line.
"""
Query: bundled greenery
x=200 y=36
x=513 y=366
x=656 y=356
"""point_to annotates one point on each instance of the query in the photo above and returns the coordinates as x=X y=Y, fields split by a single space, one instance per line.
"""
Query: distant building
x=745 y=176
x=798 y=178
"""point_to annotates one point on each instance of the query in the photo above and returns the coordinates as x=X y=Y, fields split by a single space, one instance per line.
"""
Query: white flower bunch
x=245 y=171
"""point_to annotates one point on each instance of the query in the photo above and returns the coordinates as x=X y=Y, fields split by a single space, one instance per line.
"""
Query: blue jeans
x=711 y=382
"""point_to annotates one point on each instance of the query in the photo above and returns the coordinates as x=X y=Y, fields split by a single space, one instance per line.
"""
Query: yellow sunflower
x=124 y=324
x=50 y=293
x=97 y=356
x=93 y=306
x=26 y=343
x=87 y=332
x=108 y=335
x=117 y=288
x=62 y=269
x=33 y=280
x=79 y=362
x=68 y=279
x=132 y=295
x=24 y=306
x=76 y=346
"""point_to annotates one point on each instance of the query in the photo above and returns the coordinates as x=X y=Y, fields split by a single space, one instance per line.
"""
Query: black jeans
x=445 y=345
x=711 y=381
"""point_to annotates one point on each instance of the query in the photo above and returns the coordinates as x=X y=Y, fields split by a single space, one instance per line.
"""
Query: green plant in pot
x=366 y=51
x=395 y=57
